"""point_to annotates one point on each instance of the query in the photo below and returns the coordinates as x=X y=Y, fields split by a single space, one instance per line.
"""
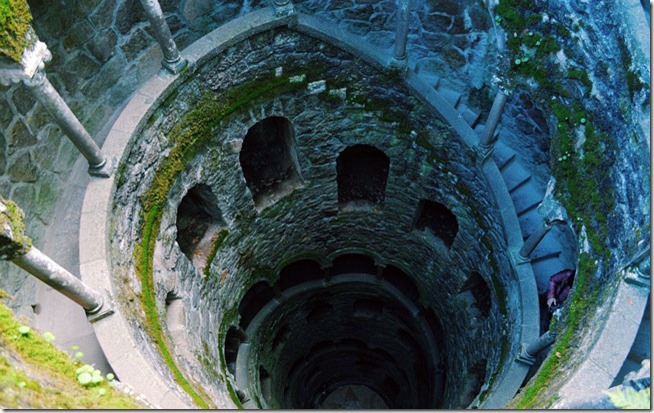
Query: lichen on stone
x=15 y=19
x=13 y=241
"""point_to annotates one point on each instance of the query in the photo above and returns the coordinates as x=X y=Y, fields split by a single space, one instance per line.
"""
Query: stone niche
x=258 y=127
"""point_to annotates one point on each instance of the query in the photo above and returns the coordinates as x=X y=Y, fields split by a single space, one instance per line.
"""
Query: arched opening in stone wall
x=353 y=263
x=269 y=160
x=362 y=171
x=253 y=301
x=472 y=384
x=354 y=332
x=235 y=336
x=438 y=219
x=402 y=282
x=299 y=272
x=477 y=288
x=198 y=221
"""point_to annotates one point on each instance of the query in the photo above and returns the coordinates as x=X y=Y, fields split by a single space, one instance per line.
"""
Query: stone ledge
x=114 y=332
x=605 y=358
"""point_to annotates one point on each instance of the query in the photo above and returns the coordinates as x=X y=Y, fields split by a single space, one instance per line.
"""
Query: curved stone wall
x=110 y=44
x=329 y=110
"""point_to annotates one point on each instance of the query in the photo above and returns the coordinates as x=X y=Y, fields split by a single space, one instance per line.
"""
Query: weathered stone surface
x=135 y=43
x=77 y=36
x=197 y=8
x=13 y=241
x=102 y=17
x=21 y=136
x=79 y=68
x=3 y=156
x=21 y=168
x=129 y=15
x=277 y=227
x=23 y=100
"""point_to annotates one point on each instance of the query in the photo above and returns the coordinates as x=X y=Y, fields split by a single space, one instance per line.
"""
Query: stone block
x=197 y=8
x=66 y=155
x=135 y=43
x=129 y=15
x=175 y=23
x=21 y=137
x=23 y=100
x=78 y=69
x=104 y=14
x=21 y=168
x=107 y=77
x=77 y=36
x=39 y=118
x=103 y=45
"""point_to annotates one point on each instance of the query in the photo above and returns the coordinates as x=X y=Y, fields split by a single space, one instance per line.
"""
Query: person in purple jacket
x=559 y=287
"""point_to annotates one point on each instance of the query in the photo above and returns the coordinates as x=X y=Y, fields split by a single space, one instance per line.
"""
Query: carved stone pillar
x=401 y=34
x=30 y=71
x=172 y=59
x=17 y=247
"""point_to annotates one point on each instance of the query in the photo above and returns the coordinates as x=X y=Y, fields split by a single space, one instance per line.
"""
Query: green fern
x=630 y=398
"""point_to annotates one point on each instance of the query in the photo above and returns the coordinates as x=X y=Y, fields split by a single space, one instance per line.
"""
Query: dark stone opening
x=299 y=272
x=353 y=263
x=481 y=294
x=352 y=333
x=269 y=160
x=198 y=220
x=438 y=219
x=472 y=384
x=362 y=171
x=402 y=282
x=235 y=336
x=253 y=301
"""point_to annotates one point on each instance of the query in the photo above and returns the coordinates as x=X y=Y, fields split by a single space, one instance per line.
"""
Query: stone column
x=283 y=7
x=17 y=247
x=399 y=50
x=68 y=122
x=30 y=71
x=486 y=139
x=536 y=237
x=45 y=269
x=528 y=354
x=172 y=59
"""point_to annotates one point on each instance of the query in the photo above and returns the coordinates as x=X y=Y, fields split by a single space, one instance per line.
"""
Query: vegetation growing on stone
x=13 y=241
x=215 y=246
x=582 y=158
x=15 y=19
x=35 y=374
x=190 y=135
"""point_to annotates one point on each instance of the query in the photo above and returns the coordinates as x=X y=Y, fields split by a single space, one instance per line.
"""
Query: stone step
x=528 y=201
x=527 y=208
x=503 y=156
x=451 y=96
x=520 y=185
x=543 y=270
x=513 y=174
x=472 y=118
x=529 y=222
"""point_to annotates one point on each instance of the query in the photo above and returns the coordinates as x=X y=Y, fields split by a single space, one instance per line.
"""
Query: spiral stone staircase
x=525 y=205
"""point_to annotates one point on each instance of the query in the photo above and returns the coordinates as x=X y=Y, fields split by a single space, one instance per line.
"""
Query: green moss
x=217 y=243
x=190 y=135
x=49 y=378
x=13 y=240
x=584 y=299
x=580 y=75
x=15 y=19
x=633 y=83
